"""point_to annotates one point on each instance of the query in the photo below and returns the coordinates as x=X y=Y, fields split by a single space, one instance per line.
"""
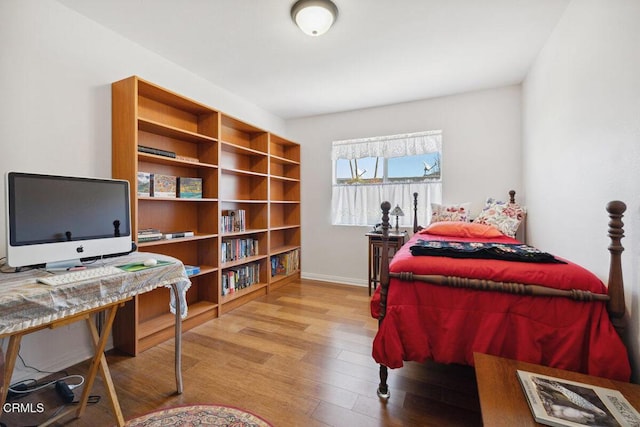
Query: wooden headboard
x=416 y=227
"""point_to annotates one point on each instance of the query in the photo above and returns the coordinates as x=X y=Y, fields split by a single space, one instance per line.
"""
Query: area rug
x=199 y=415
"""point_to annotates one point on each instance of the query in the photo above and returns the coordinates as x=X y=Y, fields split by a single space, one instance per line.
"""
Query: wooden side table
x=502 y=400
x=396 y=240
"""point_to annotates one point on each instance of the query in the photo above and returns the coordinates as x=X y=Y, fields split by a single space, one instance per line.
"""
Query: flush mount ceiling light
x=314 y=17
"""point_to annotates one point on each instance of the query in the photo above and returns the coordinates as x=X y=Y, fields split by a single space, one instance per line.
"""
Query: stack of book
x=286 y=263
x=241 y=277
x=233 y=221
x=149 y=235
x=234 y=249
x=156 y=151
x=178 y=235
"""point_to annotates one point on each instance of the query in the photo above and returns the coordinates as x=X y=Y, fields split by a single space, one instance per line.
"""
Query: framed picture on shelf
x=189 y=188
x=164 y=185
x=144 y=184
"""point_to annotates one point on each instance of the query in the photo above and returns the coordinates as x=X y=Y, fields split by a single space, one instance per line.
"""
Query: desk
x=28 y=306
x=395 y=242
x=502 y=399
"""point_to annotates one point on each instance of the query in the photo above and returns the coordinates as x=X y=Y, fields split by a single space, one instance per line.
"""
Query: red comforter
x=447 y=325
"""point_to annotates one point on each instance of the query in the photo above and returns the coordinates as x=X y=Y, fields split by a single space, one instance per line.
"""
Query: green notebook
x=137 y=266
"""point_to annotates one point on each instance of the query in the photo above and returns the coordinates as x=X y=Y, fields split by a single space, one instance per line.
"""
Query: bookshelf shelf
x=177 y=240
x=239 y=149
x=154 y=158
x=173 y=132
x=242 y=167
x=242 y=261
x=176 y=199
x=283 y=160
x=243 y=292
x=281 y=277
x=242 y=172
x=160 y=328
x=245 y=232
x=283 y=249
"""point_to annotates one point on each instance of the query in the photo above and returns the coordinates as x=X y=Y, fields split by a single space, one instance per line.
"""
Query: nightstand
x=396 y=240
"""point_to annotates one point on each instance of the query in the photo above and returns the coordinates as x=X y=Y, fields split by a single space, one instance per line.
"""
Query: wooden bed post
x=415 y=213
x=383 y=388
x=616 y=305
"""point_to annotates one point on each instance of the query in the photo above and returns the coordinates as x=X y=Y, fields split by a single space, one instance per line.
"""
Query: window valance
x=409 y=144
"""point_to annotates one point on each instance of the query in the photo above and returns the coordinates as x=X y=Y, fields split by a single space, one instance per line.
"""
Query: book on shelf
x=156 y=151
x=234 y=249
x=178 y=234
x=285 y=263
x=236 y=278
x=187 y=158
x=144 y=184
x=164 y=185
x=563 y=403
x=189 y=188
x=149 y=235
x=232 y=221
x=191 y=269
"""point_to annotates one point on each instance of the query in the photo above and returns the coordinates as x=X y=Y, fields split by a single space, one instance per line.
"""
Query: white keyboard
x=91 y=273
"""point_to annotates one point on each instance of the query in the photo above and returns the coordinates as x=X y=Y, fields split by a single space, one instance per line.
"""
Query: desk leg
x=178 y=340
x=10 y=363
x=100 y=362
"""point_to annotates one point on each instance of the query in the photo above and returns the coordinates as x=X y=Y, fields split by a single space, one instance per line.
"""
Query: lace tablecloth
x=25 y=303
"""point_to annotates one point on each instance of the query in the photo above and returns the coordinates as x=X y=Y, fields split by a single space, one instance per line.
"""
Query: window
x=372 y=170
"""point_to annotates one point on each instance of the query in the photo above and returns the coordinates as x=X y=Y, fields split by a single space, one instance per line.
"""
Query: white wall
x=581 y=135
x=55 y=114
x=481 y=157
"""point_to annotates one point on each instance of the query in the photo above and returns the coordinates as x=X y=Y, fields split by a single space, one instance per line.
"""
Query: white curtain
x=410 y=144
x=359 y=204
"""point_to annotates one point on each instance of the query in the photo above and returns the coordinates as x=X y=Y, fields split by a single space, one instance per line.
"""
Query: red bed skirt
x=447 y=325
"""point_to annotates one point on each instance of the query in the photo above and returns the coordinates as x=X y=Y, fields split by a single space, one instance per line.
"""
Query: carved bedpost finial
x=512 y=196
x=386 y=207
x=616 y=305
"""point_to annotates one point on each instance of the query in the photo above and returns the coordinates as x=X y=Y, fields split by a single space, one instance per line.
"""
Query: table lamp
x=398 y=213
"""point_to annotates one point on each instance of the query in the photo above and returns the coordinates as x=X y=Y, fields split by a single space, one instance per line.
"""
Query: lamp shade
x=396 y=211
x=314 y=17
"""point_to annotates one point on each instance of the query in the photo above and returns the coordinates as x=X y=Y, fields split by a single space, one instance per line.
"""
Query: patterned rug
x=199 y=415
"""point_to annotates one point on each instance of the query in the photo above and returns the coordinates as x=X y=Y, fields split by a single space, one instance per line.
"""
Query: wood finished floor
x=300 y=356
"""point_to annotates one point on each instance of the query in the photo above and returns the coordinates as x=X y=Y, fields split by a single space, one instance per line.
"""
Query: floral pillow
x=450 y=212
x=504 y=216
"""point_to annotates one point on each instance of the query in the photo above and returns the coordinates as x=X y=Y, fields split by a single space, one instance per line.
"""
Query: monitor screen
x=58 y=218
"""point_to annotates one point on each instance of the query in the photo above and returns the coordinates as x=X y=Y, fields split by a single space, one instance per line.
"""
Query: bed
x=444 y=306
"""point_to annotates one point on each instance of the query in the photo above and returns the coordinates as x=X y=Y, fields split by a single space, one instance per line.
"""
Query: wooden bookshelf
x=242 y=167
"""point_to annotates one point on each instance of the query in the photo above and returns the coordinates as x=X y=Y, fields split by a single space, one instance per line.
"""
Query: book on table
x=563 y=403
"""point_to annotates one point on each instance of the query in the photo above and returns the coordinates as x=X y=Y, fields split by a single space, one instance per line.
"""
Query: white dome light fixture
x=314 y=17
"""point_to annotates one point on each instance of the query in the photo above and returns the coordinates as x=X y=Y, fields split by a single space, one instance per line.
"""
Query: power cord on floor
x=23 y=387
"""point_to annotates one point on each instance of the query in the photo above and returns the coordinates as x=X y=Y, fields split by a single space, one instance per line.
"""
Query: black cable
x=39 y=370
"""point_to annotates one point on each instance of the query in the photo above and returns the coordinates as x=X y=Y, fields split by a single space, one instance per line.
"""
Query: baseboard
x=334 y=279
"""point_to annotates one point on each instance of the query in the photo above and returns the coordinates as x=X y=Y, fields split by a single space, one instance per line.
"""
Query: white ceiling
x=379 y=52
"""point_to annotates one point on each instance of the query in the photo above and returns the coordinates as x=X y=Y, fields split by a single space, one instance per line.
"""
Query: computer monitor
x=60 y=221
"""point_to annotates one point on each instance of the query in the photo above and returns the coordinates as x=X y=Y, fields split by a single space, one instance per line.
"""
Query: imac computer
x=61 y=221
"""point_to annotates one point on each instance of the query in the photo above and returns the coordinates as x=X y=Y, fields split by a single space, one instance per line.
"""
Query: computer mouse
x=150 y=262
